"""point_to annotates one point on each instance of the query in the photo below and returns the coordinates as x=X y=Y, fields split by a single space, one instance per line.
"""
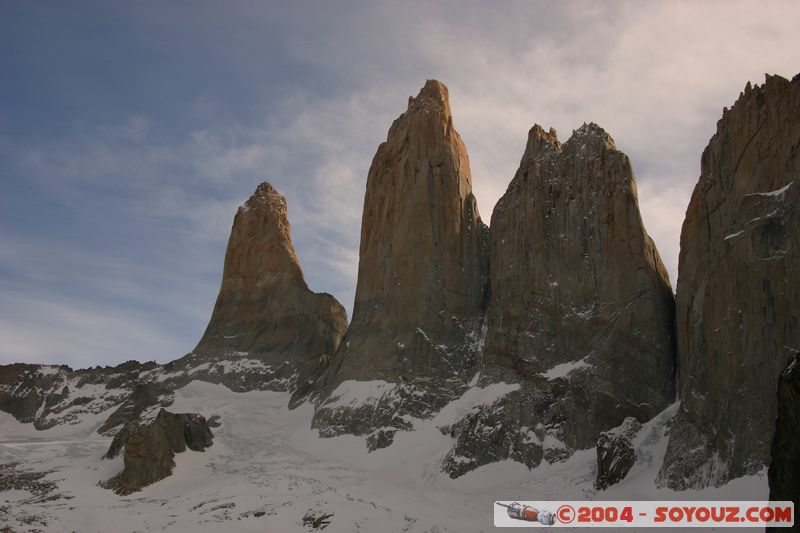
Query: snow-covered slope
x=267 y=470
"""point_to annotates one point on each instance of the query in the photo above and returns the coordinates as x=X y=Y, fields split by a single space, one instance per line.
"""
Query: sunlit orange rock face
x=422 y=269
x=265 y=311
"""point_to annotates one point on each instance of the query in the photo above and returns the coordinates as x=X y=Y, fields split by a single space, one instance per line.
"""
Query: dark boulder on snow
x=150 y=448
x=483 y=437
x=615 y=453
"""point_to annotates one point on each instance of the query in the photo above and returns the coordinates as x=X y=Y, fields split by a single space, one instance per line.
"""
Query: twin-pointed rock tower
x=580 y=307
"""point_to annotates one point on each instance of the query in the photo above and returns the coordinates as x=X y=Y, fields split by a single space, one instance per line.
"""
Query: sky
x=131 y=131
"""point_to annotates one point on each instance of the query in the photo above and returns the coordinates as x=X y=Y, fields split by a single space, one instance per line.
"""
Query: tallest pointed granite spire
x=421 y=258
x=422 y=271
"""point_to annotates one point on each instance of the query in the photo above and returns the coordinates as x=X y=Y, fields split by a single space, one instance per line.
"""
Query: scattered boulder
x=150 y=448
x=483 y=437
x=615 y=453
x=16 y=476
x=317 y=520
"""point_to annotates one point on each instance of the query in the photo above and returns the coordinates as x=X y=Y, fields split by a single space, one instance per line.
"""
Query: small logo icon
x=529 y=514
x=566 y=514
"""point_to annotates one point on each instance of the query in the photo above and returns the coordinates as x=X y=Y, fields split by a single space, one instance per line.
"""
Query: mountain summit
x=421 y=278
x=580 y=312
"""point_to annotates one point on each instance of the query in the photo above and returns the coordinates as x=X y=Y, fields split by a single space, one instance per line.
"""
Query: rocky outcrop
x=580 y=310
x=615 y=453
x=421 y=280
x=267 y=330
x=120 y=438
x=784 y=468
x=49 y=395
x=738 y=296
x=24 y=387
x=144 y=398
x=150 y=448
x=483 y=437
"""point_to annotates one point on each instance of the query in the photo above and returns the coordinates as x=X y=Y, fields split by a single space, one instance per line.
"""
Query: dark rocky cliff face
x=615 y=453
x=738 y=297
x=784 y=468
x=421 y=279
x=580 y=308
